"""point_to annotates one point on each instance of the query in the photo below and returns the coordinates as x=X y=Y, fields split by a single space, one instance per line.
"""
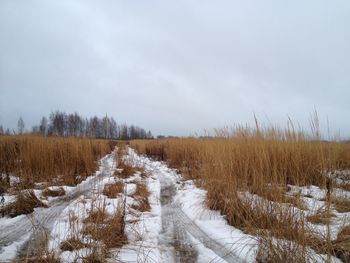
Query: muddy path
x=36 y=227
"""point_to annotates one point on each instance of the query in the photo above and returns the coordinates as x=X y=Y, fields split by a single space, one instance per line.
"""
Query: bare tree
x=58 y=123
x=105 y=123
x=123 y=132
x=36 y=129
x=20 y=126
x=113 y=129
x=43 y=129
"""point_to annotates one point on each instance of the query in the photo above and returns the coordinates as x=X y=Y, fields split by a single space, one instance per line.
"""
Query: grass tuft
x=126 y=170
x=112 y=190
x=25 y=203
x=54 y=193
x=141 y=195
x=72 y=244
x=342 y=204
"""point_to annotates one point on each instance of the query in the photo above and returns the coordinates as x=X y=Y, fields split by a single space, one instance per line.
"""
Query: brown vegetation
x=109 y=230
x=320 y=217
x=341 y=203
x=25 y=203
x=97 y=216
x=44 y=258
x=342 y=244
x=112 y=190
x=261 y=162
x=72 y=244
x=36 y=158
x=141 y=195
x=54 y=192
x=126 y=170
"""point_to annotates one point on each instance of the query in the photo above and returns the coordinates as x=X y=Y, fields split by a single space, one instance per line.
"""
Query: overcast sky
x=176 y=67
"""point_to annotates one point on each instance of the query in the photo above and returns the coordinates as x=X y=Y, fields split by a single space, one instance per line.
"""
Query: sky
x=177 y=67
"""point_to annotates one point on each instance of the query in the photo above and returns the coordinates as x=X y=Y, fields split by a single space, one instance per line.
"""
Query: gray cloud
x=176 y=67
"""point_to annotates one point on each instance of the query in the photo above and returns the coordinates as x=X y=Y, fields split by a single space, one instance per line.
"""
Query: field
x=244 y=195
x=265 y=182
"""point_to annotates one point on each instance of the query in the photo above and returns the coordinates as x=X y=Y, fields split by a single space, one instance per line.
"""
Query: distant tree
x=36 y=129
x=94 y=127
x=74 y=124
x=7 y=132
x=20 y=126
x=43 y=129
x=1 y=130
x=105 y=124
x=58 y=123
x=84 y=129
x=63 y=124
x=123 y=132
x=132 y=132
x=113 y=129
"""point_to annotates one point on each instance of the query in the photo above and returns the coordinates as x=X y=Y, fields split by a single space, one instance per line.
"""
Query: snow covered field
x=178 y=228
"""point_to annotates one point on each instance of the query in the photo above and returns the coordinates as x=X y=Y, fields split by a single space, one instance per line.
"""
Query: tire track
x=174 y=231
x=38 y=225
x=175 y=221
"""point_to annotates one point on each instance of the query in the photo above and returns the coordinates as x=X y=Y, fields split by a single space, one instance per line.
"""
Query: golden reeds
x=258 y=161
x=62 y=160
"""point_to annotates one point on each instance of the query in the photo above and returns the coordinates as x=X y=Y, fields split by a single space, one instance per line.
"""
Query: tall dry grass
x=261 y=161
x=36 y=158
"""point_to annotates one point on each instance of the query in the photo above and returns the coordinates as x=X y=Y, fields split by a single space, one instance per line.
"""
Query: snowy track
x=183 y=221
x=171 y=232
x=173 y=215
x=180 y=237
x=24 y=234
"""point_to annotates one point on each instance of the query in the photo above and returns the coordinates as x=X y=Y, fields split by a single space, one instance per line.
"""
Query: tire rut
x=176 y=225
x=38 y=225
x=176 y=234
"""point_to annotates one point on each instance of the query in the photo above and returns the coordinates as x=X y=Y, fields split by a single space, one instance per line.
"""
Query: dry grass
x=4 y=186
x=112 y=190
x=126 y=170
x=97 y=216
x=259 y=161
x=36 y=158
x=277 y=193
x=44 y=257
x=95 y=257
x=110 y=230
x=342 y=244
x=341 y=203
x=141 y=195
x=321 y=217
x=54 y=193
x=25 y=203
x=272 y=251
x=72 y=244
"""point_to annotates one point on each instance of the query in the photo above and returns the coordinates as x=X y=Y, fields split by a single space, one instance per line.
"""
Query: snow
x=214 y=224
x=192 y=200
x=150 y=236
x=10 y=252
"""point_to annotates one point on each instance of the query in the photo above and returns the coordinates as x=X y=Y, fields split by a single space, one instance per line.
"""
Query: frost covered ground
x=178 y=228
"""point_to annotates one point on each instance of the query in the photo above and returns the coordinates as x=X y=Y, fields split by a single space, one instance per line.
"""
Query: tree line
x=72 y=124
